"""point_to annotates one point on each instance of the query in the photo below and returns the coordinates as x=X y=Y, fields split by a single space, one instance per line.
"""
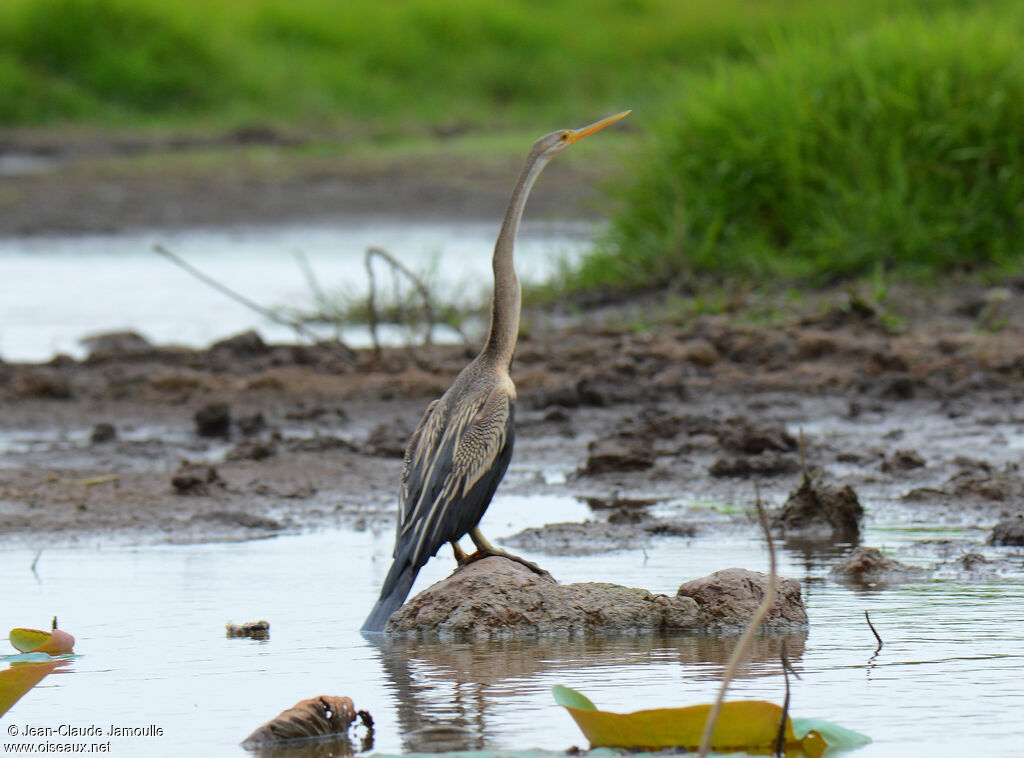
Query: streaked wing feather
x=442 y=482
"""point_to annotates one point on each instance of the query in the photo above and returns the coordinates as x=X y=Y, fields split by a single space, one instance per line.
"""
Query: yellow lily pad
x=748 y=725
x=55 y=642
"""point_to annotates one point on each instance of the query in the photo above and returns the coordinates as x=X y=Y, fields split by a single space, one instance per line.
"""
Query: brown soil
x=921 y=415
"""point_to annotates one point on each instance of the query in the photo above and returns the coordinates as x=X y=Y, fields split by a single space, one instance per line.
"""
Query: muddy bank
x=78 y=181
x=664 y=434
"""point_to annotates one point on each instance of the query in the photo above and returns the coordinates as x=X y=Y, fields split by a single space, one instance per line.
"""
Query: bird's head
x=552 y=144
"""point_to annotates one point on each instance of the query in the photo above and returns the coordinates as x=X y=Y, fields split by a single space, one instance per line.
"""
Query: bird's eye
x=564 y=136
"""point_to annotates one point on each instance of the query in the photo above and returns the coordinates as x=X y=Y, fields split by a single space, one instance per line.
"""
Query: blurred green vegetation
x=385 y=65
x=801 y=138
x=899 y=148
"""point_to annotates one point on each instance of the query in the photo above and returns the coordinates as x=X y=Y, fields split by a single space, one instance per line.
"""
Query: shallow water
x=149 y=627
x=56 y=290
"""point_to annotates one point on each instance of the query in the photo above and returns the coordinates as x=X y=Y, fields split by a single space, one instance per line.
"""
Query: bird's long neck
x=501 y=341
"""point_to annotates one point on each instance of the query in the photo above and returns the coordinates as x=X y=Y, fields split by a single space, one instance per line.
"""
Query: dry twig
x=344 y=350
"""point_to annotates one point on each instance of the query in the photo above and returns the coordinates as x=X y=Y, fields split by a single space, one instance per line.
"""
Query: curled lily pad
x=750 y=725
x=55 y=642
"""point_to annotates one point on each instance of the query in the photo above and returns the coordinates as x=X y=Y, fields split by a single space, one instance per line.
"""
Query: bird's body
x=459 y=452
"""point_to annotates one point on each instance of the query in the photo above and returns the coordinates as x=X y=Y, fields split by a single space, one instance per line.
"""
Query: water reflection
x=22 y=675
x=449 y=693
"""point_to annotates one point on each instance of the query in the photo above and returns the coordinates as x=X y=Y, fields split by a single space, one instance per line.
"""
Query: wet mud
x=665 y=433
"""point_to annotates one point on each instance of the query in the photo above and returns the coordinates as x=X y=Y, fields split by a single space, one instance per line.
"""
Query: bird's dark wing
x=448 y=482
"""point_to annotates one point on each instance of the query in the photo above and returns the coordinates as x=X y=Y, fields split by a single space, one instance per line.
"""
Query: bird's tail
x=396 y=588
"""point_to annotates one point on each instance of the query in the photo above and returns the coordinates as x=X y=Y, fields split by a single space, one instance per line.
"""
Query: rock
x=257 y=630
x=816 y=510
x=115 y=345
x=103 y=433
x=867 y=566
x=768 y=463
x=1008 y=531
x=618 y=453
x=195 y=479
x=729 y=598
x=213 y=420
x=498 y=598
x=244 y=345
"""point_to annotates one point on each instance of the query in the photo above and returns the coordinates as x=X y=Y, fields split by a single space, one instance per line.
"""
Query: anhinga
x=459 y=452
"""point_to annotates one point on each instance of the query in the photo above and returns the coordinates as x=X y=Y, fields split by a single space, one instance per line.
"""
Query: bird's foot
x=498 y=552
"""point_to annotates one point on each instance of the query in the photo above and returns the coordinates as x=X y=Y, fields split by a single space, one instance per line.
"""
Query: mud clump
x=1008 y=531
x=252 y=449
x=902 y=460
x=245 y=345
x=44 y=385
x=740 y=436
x=819 y=511
x=729 y=598
x=195 y=479
x=867 y=566
x=116 y=346
x=624 y=530
x=498 y=598
x=103 y=433
x=768 y=463
x=388 y=440
x=213 y=420
x=619 y=453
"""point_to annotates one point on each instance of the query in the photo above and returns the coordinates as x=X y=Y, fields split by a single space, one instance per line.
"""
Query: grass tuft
x=900 y=148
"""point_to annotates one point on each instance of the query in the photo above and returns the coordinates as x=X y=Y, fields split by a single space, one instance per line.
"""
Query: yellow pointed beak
x=578 y=134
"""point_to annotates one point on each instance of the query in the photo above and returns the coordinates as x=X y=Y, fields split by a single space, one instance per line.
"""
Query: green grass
x=391 y=66
x=900 y=148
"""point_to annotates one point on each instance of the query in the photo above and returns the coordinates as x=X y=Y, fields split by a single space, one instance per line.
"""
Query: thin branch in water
x=344 y=350
x=748 y=635
x=873 y=631
x=421 y=288
x=35 y=561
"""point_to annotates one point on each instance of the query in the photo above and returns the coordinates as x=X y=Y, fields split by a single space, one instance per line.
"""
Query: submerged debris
x=257 y=630
x=816 y=510
x=103 y=432
x=319 y=718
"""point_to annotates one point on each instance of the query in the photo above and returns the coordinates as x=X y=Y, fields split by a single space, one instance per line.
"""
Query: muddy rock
x=768 y=463
x=111 y=345
x=195 y=479
x=213 y=420
x=986 y=484
x=251 y=424
x=1008 y=531
x=867 y=566
x=103 y=433
x=618 y=453
x=244 y=345
x=499 y=598
x=819 y=511
x=728 y=599
x=741 y=436
x=902 y=460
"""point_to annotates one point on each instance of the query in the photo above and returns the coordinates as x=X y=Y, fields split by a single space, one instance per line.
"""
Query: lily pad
x=56 y=642
x=750 y=725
